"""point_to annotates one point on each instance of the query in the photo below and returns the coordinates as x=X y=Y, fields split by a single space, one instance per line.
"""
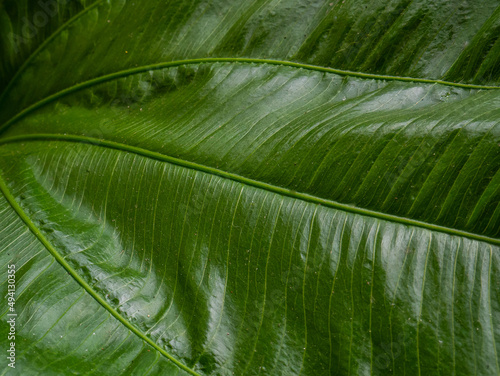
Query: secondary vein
x=248 y=181
x=25 y=218
x=145 y=68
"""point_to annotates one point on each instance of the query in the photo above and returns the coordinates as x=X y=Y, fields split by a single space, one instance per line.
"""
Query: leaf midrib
x=176 y=63
x=248 y=181
x=60 y=259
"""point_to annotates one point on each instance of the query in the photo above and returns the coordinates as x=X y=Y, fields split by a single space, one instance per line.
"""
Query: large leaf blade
x=212 y=239
x=400 y=38
x=408 y=149
x=223 y=206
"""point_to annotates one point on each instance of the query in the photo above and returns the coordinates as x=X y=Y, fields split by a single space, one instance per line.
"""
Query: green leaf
x=250 y=187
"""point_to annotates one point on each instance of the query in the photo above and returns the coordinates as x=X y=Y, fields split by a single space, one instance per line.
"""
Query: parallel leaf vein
x=60 y=259
x=251 y=182
x=145 y=68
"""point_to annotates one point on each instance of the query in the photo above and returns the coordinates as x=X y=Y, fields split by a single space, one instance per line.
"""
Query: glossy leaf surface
x=251 y=187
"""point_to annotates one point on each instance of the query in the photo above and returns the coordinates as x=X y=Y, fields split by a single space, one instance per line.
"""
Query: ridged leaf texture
x=251 y=187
